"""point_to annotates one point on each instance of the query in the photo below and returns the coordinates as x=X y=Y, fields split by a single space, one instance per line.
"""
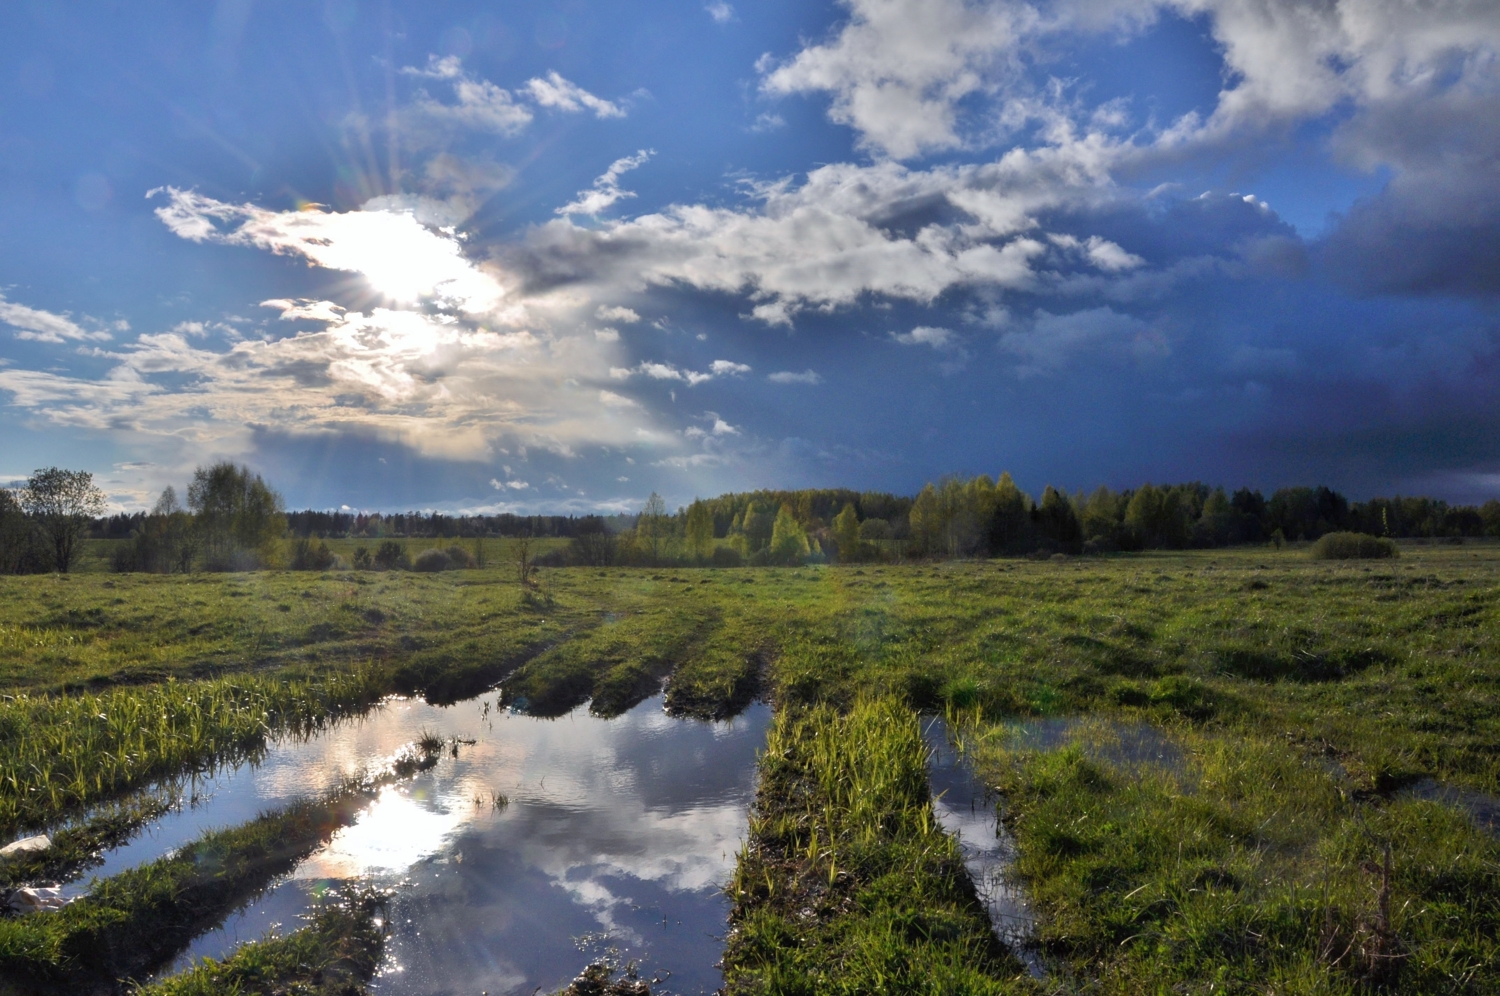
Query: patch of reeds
x=334 y=955
x=847 y=884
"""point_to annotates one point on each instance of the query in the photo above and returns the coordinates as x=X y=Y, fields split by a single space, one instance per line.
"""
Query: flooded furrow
x=532 y=847
x=967 y=809
x=538 y=846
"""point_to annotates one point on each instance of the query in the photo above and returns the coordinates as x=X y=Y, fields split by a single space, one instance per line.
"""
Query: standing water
x=966 y=808
x=540 y=846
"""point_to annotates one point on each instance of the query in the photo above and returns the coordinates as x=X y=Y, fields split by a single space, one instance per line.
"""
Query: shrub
x=726 y=556
x=431 y=561
x=362 y=559
x=458 y=557
x=1352 y=546
x=391 y=555
x=307 y=557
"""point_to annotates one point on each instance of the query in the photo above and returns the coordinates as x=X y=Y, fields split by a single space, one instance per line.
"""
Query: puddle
x=613 y=842
x=1124 y=745
x=1482 y=808
x=966 y=808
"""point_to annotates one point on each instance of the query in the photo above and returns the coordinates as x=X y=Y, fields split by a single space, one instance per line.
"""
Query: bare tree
x=62 y=502
x=525 y=562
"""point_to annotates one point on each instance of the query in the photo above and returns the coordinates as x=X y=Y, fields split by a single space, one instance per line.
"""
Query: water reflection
x=966 y=808
x=616 y=835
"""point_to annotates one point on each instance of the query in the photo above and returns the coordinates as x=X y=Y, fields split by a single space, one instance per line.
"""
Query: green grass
x=1305 y=695
x=847 y=884
x=1251 y=869
x=60 y=753
x=334 y=955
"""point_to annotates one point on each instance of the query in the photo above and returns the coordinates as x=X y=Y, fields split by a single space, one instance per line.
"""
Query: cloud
x=479 y=104
x=925 y=335
x=45 y=326
x=563 y=95
x=616 y=313
x=791 y=377
x=666 y=371
x=398 y=256
x=721 y=12
x=606 y=189
x=607 y=335
x=898 y=68
x=845 y=232
x=767 y=121
x=500 y=485
x=956 y=357
x=1050 y=342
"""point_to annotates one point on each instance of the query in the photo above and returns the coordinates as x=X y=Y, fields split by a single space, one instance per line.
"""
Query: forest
x=234 y=520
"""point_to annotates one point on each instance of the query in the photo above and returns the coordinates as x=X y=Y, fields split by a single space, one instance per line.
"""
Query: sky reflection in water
x=618 y=834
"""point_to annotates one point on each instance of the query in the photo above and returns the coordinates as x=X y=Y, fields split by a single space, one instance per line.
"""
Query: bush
x=726 y=556
x=362 y=559
x=307 y=557
x=431 y=561
x=458 y=557
x=390 y=555
x=1352 y=546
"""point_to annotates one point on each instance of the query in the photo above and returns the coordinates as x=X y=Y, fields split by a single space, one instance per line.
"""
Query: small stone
x=36 y=900
x=24 y=846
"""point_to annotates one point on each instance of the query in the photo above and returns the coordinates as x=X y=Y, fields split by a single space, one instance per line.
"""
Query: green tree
x=652 y=526
x=1057 y=521
x=238 y=516
x=1010 y=520
x=926 y=521
x=62 y=503
x=846 y=534
x=788 y=539
x=700 y=530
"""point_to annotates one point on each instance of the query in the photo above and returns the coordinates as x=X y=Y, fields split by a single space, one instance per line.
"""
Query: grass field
x=1325 y=718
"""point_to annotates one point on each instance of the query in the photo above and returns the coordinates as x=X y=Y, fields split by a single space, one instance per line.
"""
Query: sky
x=554 y=256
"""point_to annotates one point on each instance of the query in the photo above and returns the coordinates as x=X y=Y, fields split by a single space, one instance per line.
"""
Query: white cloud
x=614 y=400
x=480 y=105
x=500 y=485
x=563 y=95
x=767 y=121
x=616 y=313
x=720 y=11
x=400 y=257
x=45 y=326
x=666 y=371
x=926 y=335
x=898 y=68
x=845 y=232
x=942 y=340
x=607 y=335
x=606 y=189
x=791 y=377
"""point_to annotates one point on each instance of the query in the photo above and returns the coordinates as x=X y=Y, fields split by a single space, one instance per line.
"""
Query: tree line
x=233 y=520
x=985 y=517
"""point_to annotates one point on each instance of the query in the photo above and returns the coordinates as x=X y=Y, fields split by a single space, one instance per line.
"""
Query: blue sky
x=555 y=256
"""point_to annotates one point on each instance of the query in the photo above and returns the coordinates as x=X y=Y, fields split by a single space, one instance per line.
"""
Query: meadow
x=1321 y=826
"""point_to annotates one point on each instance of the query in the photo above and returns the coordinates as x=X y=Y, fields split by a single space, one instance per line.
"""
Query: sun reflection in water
x=399 y=829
